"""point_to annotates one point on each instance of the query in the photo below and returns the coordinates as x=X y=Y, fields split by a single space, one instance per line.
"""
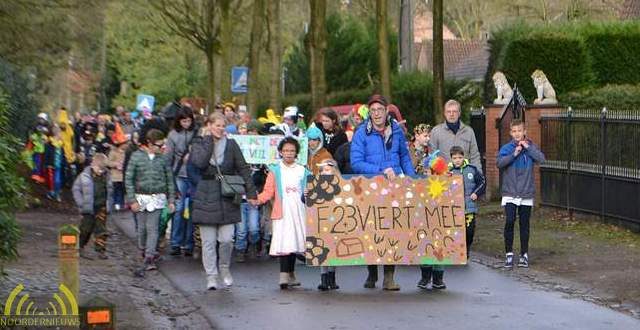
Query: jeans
x=213 y=259
x=181 y=228
x=524 y=212
x=118 y=193
x=250 y=222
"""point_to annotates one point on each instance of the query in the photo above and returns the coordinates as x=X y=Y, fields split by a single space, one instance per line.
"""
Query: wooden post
x=68 y=249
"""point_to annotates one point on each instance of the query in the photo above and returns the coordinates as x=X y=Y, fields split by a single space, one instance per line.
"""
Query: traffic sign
x=145 y=101
x=239 y=77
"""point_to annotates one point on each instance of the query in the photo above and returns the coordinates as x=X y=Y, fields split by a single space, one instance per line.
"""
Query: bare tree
x=275 y=35
x=198 y=21
x=254 y=56
x=383 y=48
x=438 y=61
x=317 y=44
x=406 y=35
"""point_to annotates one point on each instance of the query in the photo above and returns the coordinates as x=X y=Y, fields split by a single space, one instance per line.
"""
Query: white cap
x=290 y=111
x=43 y=116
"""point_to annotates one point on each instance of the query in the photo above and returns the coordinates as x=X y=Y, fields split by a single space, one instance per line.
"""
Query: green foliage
x=12 y=186
x=615 y=52
x=574 y=56
x=351 y=60
x=20 y=107
x=609 y=96
x=152 y=61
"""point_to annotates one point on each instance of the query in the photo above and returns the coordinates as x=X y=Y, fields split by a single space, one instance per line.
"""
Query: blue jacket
x=517 y=171
x=372 y=153
x=474 y=183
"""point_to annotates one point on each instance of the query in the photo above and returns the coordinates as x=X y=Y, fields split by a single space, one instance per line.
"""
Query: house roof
x=630 y=9
x=462 y=58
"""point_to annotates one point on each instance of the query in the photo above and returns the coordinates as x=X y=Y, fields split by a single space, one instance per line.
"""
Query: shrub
x=12 y=186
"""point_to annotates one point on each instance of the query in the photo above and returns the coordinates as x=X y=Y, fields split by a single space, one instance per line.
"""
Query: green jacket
x=146 y=176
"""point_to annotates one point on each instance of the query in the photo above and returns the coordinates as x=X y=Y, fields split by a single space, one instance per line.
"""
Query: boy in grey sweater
x=516 y=160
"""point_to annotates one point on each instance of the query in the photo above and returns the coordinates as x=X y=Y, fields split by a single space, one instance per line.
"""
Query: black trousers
x=471 y=229
x=287 y=263
x=524 y=213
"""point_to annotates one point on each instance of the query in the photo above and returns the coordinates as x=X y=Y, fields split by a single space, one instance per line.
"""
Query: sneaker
x=240 y=257
x=508 y=264
x=423 y=284
x=212 y=282
x=117 y=207
x=188 y=253
x=523 y=262
x=175 y=251
x=227 y=279
x=150 y=265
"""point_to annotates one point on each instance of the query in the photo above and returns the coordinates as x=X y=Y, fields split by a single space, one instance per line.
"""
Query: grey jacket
x=83 y=192
x=177 y=146
x=517 y=171
x=442 y=138
x=209 y=206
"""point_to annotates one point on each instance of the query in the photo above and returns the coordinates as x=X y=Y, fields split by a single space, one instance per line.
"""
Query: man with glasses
x=380 y=147
x=150 y=188
x=454 y=133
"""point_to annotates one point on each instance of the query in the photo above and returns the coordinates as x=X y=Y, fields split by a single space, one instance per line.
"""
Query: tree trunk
x=317 y=49
x=211 y=79
x=226 y=31
x=383 y=48
x=438 y=62
x=406 y=35
x=276 y=62
x=254 y=57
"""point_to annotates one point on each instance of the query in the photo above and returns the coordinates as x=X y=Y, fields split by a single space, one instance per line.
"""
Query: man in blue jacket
x=380 y=147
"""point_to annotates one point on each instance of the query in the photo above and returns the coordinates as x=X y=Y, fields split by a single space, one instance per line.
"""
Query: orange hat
x=118 y=135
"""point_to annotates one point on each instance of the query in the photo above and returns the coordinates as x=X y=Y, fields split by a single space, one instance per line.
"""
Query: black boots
x=328 y=282
x=438 y=282
x=425 y=279
x=324 y=282
x=372 y=278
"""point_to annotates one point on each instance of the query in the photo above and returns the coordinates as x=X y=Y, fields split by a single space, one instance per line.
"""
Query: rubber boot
x=324 y=282
x=332 y=281
x=372 y=278
x=425 y=278
x=438 y=280
x=224 y=261
x=387 y=282
x=284 y=281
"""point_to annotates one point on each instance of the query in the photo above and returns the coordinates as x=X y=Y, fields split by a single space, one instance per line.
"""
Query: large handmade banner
x=369 y=221
x=263 y=149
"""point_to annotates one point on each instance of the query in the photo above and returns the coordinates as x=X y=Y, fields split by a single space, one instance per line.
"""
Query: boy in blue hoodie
x=516 y=160
x=474 y=187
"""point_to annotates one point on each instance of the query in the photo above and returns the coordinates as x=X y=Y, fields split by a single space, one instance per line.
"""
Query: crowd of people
x=183 y=172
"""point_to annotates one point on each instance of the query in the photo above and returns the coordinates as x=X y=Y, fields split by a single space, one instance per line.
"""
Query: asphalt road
x=477 y=297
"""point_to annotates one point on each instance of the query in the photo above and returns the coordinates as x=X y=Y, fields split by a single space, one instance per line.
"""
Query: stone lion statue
x=546 y=93
x=503 y=89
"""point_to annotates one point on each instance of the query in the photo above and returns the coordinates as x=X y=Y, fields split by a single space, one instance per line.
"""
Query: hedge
x=574 y=56
x=623 y=97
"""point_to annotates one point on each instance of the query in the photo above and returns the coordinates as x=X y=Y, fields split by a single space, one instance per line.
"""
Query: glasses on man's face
x=159 y=145
x=377 y=110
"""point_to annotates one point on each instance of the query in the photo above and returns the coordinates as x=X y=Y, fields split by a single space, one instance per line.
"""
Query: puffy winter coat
x=83 y=192
x=209 y=206
x=372 y=153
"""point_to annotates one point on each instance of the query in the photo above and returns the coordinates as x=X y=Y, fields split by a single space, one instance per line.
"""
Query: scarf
x=218 y=151
x=454 y=127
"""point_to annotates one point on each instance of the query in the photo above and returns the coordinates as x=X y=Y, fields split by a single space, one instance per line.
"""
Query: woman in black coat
x=329 y=124
x=215 y=213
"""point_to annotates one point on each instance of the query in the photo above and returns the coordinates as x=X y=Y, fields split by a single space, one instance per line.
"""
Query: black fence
x=593 y=162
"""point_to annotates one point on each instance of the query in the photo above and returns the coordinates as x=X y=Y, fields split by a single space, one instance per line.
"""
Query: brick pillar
x=534 y=131
x=492 y=115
